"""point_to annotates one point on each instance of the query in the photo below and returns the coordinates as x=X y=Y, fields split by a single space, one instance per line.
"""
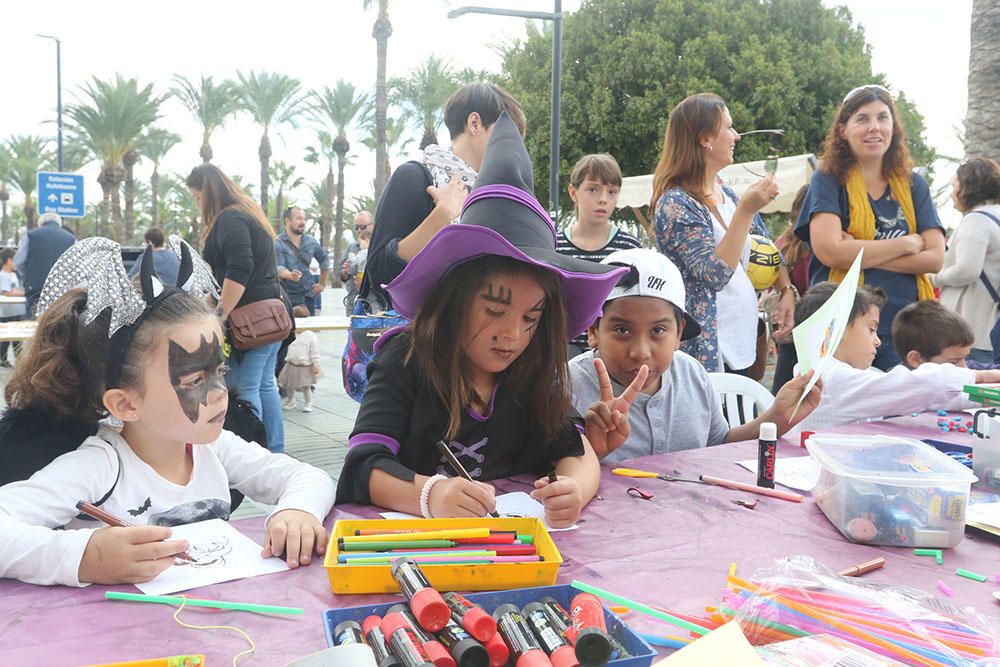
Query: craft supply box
x=642 y=654
x=890 y=491
x=492 y=577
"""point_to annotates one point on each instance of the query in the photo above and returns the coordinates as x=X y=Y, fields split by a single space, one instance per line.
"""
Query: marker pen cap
x=409 y=651
x=426 y=603
x=534 y=658
x=348 y=632
x=497 y=648
x=370 y=626
x=438 y=654
x=592 y=647
x=564 y=656
x=372 y=621
x=803 y=437
x=768 y=431
x=474 y=619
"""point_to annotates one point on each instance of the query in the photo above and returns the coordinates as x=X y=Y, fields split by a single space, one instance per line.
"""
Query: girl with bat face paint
x=154 y=361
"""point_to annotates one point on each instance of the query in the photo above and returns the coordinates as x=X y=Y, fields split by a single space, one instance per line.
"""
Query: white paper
x=817 y=338
x=798 y=472
x=514 y=505
x=221 y=553
x=984 y=513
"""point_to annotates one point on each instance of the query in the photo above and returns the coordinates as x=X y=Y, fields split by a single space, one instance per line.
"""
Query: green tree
x=422 y=94
x=381 y=32
x=397 y=138
x=155 y=145
x=339 y=108
x=272 y=100
x=777 y=63
x=5 y=164
x=325 y=154
x=108 y=121
x=283 y=174
x=209 y=102
x=29 y=155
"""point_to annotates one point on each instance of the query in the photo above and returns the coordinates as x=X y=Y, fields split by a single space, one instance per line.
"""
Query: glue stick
x=466 y=651
x=437 y=653
x=520 y=640
x=560 y=619
x=403 y=642
x=559 y=650
x=426 y=603
x=471 y=616
x=376 y=641
x=590 y=633
x=348 y=632
x=767 y=450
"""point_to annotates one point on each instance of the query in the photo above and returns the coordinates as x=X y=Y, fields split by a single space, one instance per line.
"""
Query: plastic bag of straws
x=798 y=597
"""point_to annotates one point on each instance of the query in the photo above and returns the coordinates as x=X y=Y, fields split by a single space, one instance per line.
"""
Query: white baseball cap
x=653 y=274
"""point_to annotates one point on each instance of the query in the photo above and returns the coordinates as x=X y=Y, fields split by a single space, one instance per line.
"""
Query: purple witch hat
x=502 y=217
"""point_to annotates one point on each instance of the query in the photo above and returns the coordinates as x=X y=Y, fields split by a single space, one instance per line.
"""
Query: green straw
x=970 y=575
x=194 y=602
x=638 y=606
x=926 y=552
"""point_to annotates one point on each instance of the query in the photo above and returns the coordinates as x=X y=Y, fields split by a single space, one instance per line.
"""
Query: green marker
x=970 y=575
x=389 y=546
x=526 y=539
x=195 y=602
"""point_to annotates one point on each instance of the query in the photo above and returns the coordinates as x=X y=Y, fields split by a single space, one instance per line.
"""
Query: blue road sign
x=60 y=193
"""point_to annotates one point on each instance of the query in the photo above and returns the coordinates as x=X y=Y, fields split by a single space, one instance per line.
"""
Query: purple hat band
x=503 y=191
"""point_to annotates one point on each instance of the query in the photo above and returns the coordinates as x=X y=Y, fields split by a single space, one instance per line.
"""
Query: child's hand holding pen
x=562 y=497
x=294 y=534
x=458 y=497
x=132 y=555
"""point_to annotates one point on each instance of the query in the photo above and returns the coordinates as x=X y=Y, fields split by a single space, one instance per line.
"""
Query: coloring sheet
x=817 y=338
x=221 y=553
x=509 y=505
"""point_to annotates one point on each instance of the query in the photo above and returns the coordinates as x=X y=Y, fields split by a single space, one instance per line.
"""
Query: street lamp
x=59 y=155
x=556 y=17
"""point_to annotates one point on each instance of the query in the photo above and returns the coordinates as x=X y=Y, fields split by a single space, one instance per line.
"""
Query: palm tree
x=982 y=117
x=209 y=102
x=108 y=124
x=397 y=138
x=339 y=108
x=272 y=100
x=155 y=145
x=381 y=31
x=29 y=155
x=5 y=159
x=324 y=153
x=284 y=175
x=423 y=93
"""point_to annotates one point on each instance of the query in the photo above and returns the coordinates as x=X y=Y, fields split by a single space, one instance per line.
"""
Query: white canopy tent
x=793 y=172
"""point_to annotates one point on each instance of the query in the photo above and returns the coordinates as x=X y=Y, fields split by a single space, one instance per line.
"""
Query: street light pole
x=556 y=17
x=59 y=122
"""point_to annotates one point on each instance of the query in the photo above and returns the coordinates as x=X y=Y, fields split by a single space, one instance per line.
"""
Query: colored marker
x=457 y=466
x=386 y=546
x=197 y=602
x=343 y=558
x=110 y=519
x=466 y=533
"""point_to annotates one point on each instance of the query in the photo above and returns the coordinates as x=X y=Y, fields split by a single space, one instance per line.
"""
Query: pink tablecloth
x=673 y=551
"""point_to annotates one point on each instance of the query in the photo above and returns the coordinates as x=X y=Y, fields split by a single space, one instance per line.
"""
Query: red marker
x=473 y=618
x=425 y=602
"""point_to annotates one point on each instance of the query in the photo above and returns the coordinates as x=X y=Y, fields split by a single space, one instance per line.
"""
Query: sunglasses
x=775 y=147
x=361 y=228
x=870 y=86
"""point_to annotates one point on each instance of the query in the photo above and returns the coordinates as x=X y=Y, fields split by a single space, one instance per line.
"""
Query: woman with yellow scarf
x=866 y=195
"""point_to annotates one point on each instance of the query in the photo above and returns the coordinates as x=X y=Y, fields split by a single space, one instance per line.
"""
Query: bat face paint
x=194 y=375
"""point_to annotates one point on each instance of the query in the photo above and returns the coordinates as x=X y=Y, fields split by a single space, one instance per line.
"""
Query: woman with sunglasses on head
x=865 y=195
x=974 y=253
x=705 y=229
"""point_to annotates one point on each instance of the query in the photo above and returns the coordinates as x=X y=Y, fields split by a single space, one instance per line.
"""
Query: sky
x=922 y=46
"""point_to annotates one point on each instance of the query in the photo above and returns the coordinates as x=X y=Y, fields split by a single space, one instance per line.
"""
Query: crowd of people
x=529 y=350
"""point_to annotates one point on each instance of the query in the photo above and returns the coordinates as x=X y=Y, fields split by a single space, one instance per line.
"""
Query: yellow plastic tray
x=492 y=577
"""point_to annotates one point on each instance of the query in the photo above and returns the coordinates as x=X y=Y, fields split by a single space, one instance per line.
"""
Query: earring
x=708 y=149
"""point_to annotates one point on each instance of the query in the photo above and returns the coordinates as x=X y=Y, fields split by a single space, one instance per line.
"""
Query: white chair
x=742 y=399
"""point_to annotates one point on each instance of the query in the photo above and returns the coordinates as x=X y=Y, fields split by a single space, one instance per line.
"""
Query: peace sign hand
x=606 y=419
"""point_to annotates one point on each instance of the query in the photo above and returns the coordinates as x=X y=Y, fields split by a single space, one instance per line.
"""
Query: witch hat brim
x=502 y=217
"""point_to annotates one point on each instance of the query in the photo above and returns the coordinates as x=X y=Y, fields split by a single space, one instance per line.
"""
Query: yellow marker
x=452 y=534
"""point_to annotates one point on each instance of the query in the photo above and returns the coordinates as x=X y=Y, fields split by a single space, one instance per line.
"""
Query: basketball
x=765 y=262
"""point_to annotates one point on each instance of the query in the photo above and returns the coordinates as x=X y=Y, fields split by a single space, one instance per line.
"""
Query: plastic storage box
x=491 y=577
x=890 y=491
x=641 y=653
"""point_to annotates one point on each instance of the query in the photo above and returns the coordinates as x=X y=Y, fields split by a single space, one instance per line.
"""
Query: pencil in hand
x=93 y=510
x=457 y=466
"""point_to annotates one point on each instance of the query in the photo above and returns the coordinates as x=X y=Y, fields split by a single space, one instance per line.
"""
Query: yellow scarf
x=862 y=226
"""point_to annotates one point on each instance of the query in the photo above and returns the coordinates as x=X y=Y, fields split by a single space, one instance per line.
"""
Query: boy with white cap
x=642 y=325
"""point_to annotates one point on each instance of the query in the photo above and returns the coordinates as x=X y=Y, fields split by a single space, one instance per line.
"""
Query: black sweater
x=238 y=248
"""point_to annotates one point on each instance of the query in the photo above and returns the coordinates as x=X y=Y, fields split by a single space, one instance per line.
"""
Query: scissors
x=632 y=472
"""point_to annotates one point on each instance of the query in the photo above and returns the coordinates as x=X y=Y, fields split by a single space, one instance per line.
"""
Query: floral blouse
x=683 y=229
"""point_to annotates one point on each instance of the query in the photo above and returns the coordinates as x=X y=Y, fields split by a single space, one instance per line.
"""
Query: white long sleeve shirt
x=42 y=537
x=851 y=395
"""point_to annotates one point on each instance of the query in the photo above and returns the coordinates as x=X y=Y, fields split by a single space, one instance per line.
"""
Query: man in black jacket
x=39 y=250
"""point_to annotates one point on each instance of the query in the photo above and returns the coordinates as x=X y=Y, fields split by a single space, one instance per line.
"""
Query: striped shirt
x=620 y=240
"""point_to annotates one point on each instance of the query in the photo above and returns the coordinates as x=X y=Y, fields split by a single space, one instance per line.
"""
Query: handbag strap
x=297 y=252
x=982 y=275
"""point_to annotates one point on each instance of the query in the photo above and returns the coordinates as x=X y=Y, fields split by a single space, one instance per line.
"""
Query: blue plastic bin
x=642 y=653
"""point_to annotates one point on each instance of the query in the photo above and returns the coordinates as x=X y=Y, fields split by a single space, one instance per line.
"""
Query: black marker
x=457 y=467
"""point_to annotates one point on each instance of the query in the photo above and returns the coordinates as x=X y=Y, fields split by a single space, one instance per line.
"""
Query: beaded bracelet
x=425 y=495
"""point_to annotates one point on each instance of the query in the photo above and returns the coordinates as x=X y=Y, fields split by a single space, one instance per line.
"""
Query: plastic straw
x=638 y=606
x=195 y=602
